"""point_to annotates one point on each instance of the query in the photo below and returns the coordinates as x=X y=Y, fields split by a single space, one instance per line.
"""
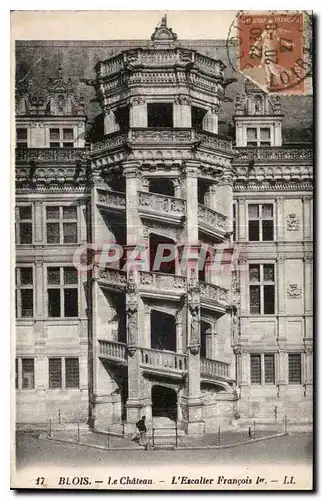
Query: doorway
x=164 y=402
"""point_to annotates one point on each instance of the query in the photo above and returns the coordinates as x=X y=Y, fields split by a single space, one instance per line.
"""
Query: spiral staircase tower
x=161 y=339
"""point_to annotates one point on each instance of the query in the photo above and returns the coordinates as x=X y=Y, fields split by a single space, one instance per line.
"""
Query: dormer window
x=61 y=138
x=258 y=136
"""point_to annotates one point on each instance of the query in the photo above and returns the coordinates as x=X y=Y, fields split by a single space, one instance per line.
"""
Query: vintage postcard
x=162 y=167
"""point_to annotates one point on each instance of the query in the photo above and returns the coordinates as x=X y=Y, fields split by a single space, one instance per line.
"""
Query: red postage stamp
x=273 y=50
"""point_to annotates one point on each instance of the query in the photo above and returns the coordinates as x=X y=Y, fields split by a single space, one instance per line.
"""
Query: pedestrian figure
x=141 y=426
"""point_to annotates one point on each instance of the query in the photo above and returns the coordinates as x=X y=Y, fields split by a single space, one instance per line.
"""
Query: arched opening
x=162 y=331
x=164 y=402
x=163 y=264
x=162 y=186
x=205 y=329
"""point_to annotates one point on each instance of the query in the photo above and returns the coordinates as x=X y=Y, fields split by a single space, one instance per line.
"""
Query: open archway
x=164 y=402
x=162 y=331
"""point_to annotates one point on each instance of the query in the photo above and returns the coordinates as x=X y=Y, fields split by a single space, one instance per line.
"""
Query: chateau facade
x=221 y=332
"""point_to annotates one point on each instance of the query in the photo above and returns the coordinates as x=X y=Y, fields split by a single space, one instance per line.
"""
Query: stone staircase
x=163 y=434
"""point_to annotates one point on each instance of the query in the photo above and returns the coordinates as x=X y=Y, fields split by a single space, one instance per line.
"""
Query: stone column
x=210 y=120
x=224 y=198
x=242 y=220
x=280 y=220
x=307 y=218
x=182 y=112
x=308 y=370
x=138 y=113
x=39 y=236
x=39 y=327
x=177 y=188
x=179 y=333
x=110 y=124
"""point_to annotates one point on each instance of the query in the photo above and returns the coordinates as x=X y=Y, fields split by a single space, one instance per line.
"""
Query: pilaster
x=138 y=113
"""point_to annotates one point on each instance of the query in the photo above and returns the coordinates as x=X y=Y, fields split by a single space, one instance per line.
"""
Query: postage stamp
x=273 y=49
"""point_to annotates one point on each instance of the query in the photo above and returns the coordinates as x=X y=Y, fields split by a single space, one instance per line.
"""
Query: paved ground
x=32 y=452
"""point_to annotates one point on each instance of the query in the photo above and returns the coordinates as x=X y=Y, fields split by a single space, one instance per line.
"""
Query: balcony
x=113 y=351
x=302 y=152
x=213 y=293
x=161 y=207
x=159 y=362
x=211 y=222
x=114 y=279
x=161 y=284
x=50 y=155
x=163 y=137
x=111 y=200
x=168 y=363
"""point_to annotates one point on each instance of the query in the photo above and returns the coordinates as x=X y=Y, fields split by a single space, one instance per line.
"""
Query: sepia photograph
x=162 y=250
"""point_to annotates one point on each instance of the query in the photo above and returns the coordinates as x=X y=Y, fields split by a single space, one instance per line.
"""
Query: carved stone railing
x=214 y=141
x=110 y=142
x=160 y=135
x=112 y=350
x=274 y=153
x=50 y=155
x=164 y=360
x=211 y=218
x=114 y=276
x=213 y=292
x=210 y=368
x=163 y=281
x=161 y=203
x=112 y=199
x=163 y=58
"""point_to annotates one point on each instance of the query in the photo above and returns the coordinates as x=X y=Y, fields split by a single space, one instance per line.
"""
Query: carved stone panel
x=293 y=222
x=294 y=291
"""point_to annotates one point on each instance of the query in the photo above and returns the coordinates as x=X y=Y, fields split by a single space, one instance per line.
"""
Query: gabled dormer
x=258 y=118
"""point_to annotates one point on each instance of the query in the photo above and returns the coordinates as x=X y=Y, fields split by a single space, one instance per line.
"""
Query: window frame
x=61 y=140
x=19 y=373
x=22 y=141
x=235 y=236
x=259 y=143
x=19 y=221
x=260 y=219
x=301 y=358
x=262 y=356
x=61 y=221
x=261 y=283
x=63 y=373
x=61 y=287
x=19 y=286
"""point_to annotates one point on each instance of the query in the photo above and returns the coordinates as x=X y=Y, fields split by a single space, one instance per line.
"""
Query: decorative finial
x=163 y=23
x=59 y=73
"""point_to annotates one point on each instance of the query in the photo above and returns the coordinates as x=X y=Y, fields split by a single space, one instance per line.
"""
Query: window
x=61 y=224
x=295 y=368
x=234 y=221
x=160 y=115
x=262 y=369
x=62 y=292
x=21 y=138
x=61 y=138
x=198 y=115
x=24 y=292
x=25 y=373
x=261 y=222
x=258 y=136
x=63 y=373
x=24 y=225
x=262 y=288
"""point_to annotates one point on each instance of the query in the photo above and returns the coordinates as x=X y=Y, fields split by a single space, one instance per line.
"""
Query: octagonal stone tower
x=161 y=179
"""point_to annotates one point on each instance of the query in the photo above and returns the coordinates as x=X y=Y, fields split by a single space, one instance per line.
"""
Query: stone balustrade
x=110 y=142
x=211 y=218
x=163 y=281
x=50 y=155
x=112 y=350
x=274 y=153
x=164 y=359
x=112 y=199
x=161 y=203
x=213 y=292
x=114 y=276
x=210 y=368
